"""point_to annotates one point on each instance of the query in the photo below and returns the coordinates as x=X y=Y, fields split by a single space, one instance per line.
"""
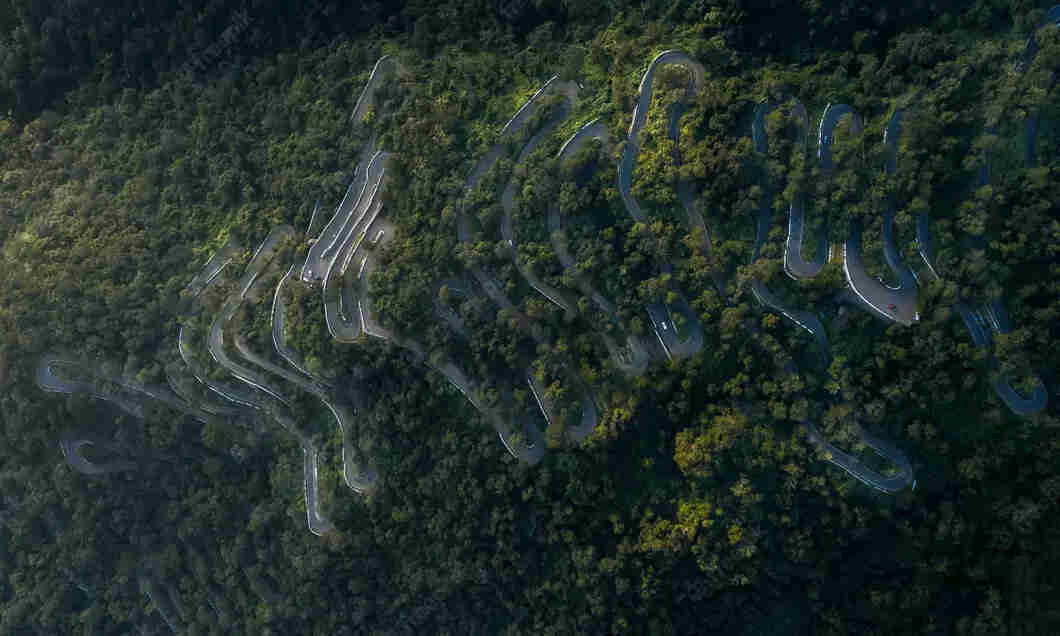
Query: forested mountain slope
x=760 y=300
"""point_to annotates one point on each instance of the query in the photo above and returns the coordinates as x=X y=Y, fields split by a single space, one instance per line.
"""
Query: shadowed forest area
x=149 y=148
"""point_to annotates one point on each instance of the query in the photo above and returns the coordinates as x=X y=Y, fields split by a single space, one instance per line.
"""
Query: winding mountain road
x=213 y=266
x=857 y=469
x=982 y=323
x=926 y=244
x=338 y=313
x=1030 y=151
x=338 y=306
x=894 y=304
x=313 y=218
x=349 y=211
x=830 y=118
x=445 y=311
x=383 y=66
x=47 y=380
x=318 y=524
x=659 y=315
x=358 y=478
x=279 y=326
x=215 y=342
x=684 y=195
x=662 y=323
x=71 y=449
x=589 y=414
x=992 y=315
x=193 y=394
x=803 y=319
x=794 y=264
x=1039 y=397
x=763 y=221
x=595 y=129
x=634 y=355
x=554 y=295
x=489 y=284
x=531 y=451
x=323 y=247
x=160 y=596
x=811 y=323
x=349 y=309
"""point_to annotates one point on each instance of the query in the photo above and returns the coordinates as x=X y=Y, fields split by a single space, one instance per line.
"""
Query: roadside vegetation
x=698 y=504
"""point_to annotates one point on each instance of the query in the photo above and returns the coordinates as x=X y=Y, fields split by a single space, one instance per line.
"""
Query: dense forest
x=760 y=299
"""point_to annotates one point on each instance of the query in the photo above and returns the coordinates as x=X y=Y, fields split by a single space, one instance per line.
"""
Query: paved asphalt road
x=492 y=288
x=317 y=523
x=812 y=324
x=489 y=284
x=321 y=250
x=632 y=356
x=659 y=316
x=340 y=240
x=278 y=322
x=803 y=319
x=886 y=483
x=212 y=268
x=48 y=381
x=554 y=295
x=794 y=265
x=342 y=321
x=71 y=444
x=71 y=449
x=992 y=315
x=359 y=479
x=895 y=304
x=982 y=324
